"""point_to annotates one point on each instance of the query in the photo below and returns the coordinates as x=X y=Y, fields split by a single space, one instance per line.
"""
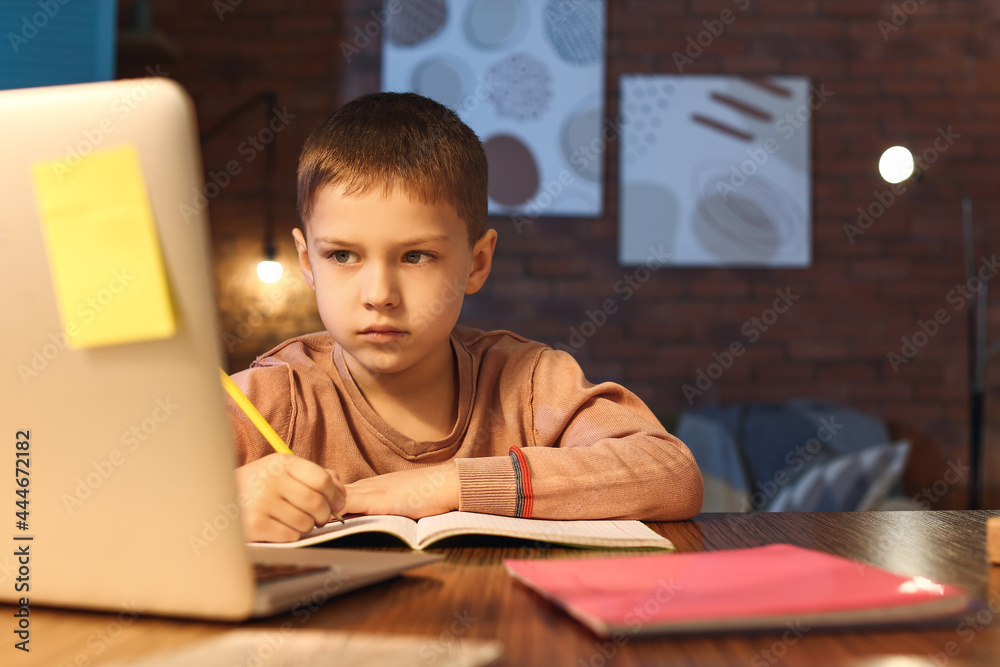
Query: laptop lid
x=124 y=491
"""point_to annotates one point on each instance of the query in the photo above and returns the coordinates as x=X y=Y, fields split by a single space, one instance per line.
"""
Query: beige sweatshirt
x=591 y=451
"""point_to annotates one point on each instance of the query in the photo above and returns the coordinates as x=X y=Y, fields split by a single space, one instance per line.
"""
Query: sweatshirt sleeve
x=597 y=453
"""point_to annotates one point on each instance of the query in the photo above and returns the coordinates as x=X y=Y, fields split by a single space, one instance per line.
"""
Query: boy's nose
x=380 y=288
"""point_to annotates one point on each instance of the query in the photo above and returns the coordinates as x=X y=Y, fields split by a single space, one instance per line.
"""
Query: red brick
x=882 y=269
x=922 y=85
x=782 y=374
x=857 y=300
x=713 y=289
x=848 y=9
x=816 y=350
x=909 y=411
x=939 y=29
x=791 y=8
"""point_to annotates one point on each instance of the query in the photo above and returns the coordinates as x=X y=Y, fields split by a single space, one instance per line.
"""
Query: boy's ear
x=303 y=252
x=482 y=261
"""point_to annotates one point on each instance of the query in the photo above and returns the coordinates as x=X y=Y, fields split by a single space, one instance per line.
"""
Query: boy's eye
x=415 y=257
x=341 y=256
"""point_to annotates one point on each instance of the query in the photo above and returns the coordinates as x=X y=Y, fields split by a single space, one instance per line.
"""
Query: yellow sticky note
x=107 y=268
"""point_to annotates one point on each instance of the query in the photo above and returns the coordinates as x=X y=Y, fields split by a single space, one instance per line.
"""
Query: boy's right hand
x=282 y=496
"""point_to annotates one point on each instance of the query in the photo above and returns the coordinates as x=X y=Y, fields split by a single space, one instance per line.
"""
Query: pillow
x=857 y=481
x=717 y=455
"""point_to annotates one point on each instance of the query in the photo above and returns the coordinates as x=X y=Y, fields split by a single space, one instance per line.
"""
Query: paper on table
x=322 y=647
x=104 y=255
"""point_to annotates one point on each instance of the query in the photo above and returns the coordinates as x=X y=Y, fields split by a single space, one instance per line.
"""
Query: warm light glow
x=269 y=272
x=921 y=584
x=896 y=164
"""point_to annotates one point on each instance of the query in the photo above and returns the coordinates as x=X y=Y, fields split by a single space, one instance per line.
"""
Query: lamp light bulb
x=269 y=271
x=896 y=164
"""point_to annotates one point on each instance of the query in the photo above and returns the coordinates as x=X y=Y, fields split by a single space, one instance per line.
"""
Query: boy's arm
x=280 y=495
x=594 y=452
x=413 y=493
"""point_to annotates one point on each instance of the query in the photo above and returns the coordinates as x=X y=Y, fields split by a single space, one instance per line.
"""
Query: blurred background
x=904 y=73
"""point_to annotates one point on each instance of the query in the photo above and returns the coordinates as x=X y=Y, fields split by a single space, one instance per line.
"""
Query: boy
x=416 y=415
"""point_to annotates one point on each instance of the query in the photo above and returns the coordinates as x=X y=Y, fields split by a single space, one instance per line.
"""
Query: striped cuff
x=523 y=477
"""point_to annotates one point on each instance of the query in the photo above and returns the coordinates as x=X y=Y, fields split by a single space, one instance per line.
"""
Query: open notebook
x=421 y=534
x=109 y=370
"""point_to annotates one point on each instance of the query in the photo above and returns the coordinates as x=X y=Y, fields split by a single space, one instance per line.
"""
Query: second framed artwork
x=716 y=170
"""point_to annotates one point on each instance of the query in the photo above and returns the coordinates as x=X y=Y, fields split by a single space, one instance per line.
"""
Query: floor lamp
x=896 y=165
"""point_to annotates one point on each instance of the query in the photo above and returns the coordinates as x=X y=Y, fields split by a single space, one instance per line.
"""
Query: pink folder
x=759 y=588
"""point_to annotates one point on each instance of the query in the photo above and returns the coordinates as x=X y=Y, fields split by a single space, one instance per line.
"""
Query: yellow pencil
x=253 y=414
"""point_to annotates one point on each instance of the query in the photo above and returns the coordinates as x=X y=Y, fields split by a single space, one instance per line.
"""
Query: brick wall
x=894 y=72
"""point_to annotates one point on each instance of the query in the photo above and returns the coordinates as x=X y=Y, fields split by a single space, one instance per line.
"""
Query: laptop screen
x=111 y=403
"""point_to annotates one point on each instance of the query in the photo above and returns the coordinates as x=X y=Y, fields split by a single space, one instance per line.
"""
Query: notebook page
x=400 y=526
x=624 y=534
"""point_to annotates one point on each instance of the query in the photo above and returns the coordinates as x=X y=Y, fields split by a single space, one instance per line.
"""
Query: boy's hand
x=411 y=493
x=283 y=496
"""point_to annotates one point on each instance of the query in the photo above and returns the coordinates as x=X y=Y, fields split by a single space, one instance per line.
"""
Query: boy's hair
x=383 y=141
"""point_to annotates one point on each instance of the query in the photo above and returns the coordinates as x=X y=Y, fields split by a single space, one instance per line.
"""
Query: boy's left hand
x=411 y=493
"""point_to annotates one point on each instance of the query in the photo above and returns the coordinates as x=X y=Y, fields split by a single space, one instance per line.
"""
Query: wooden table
x=469 y=595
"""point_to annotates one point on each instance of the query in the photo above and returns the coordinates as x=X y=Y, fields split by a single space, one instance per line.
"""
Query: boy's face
x=390 y=274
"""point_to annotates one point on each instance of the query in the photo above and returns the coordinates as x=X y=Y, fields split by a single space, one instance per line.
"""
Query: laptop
x=119 y=487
